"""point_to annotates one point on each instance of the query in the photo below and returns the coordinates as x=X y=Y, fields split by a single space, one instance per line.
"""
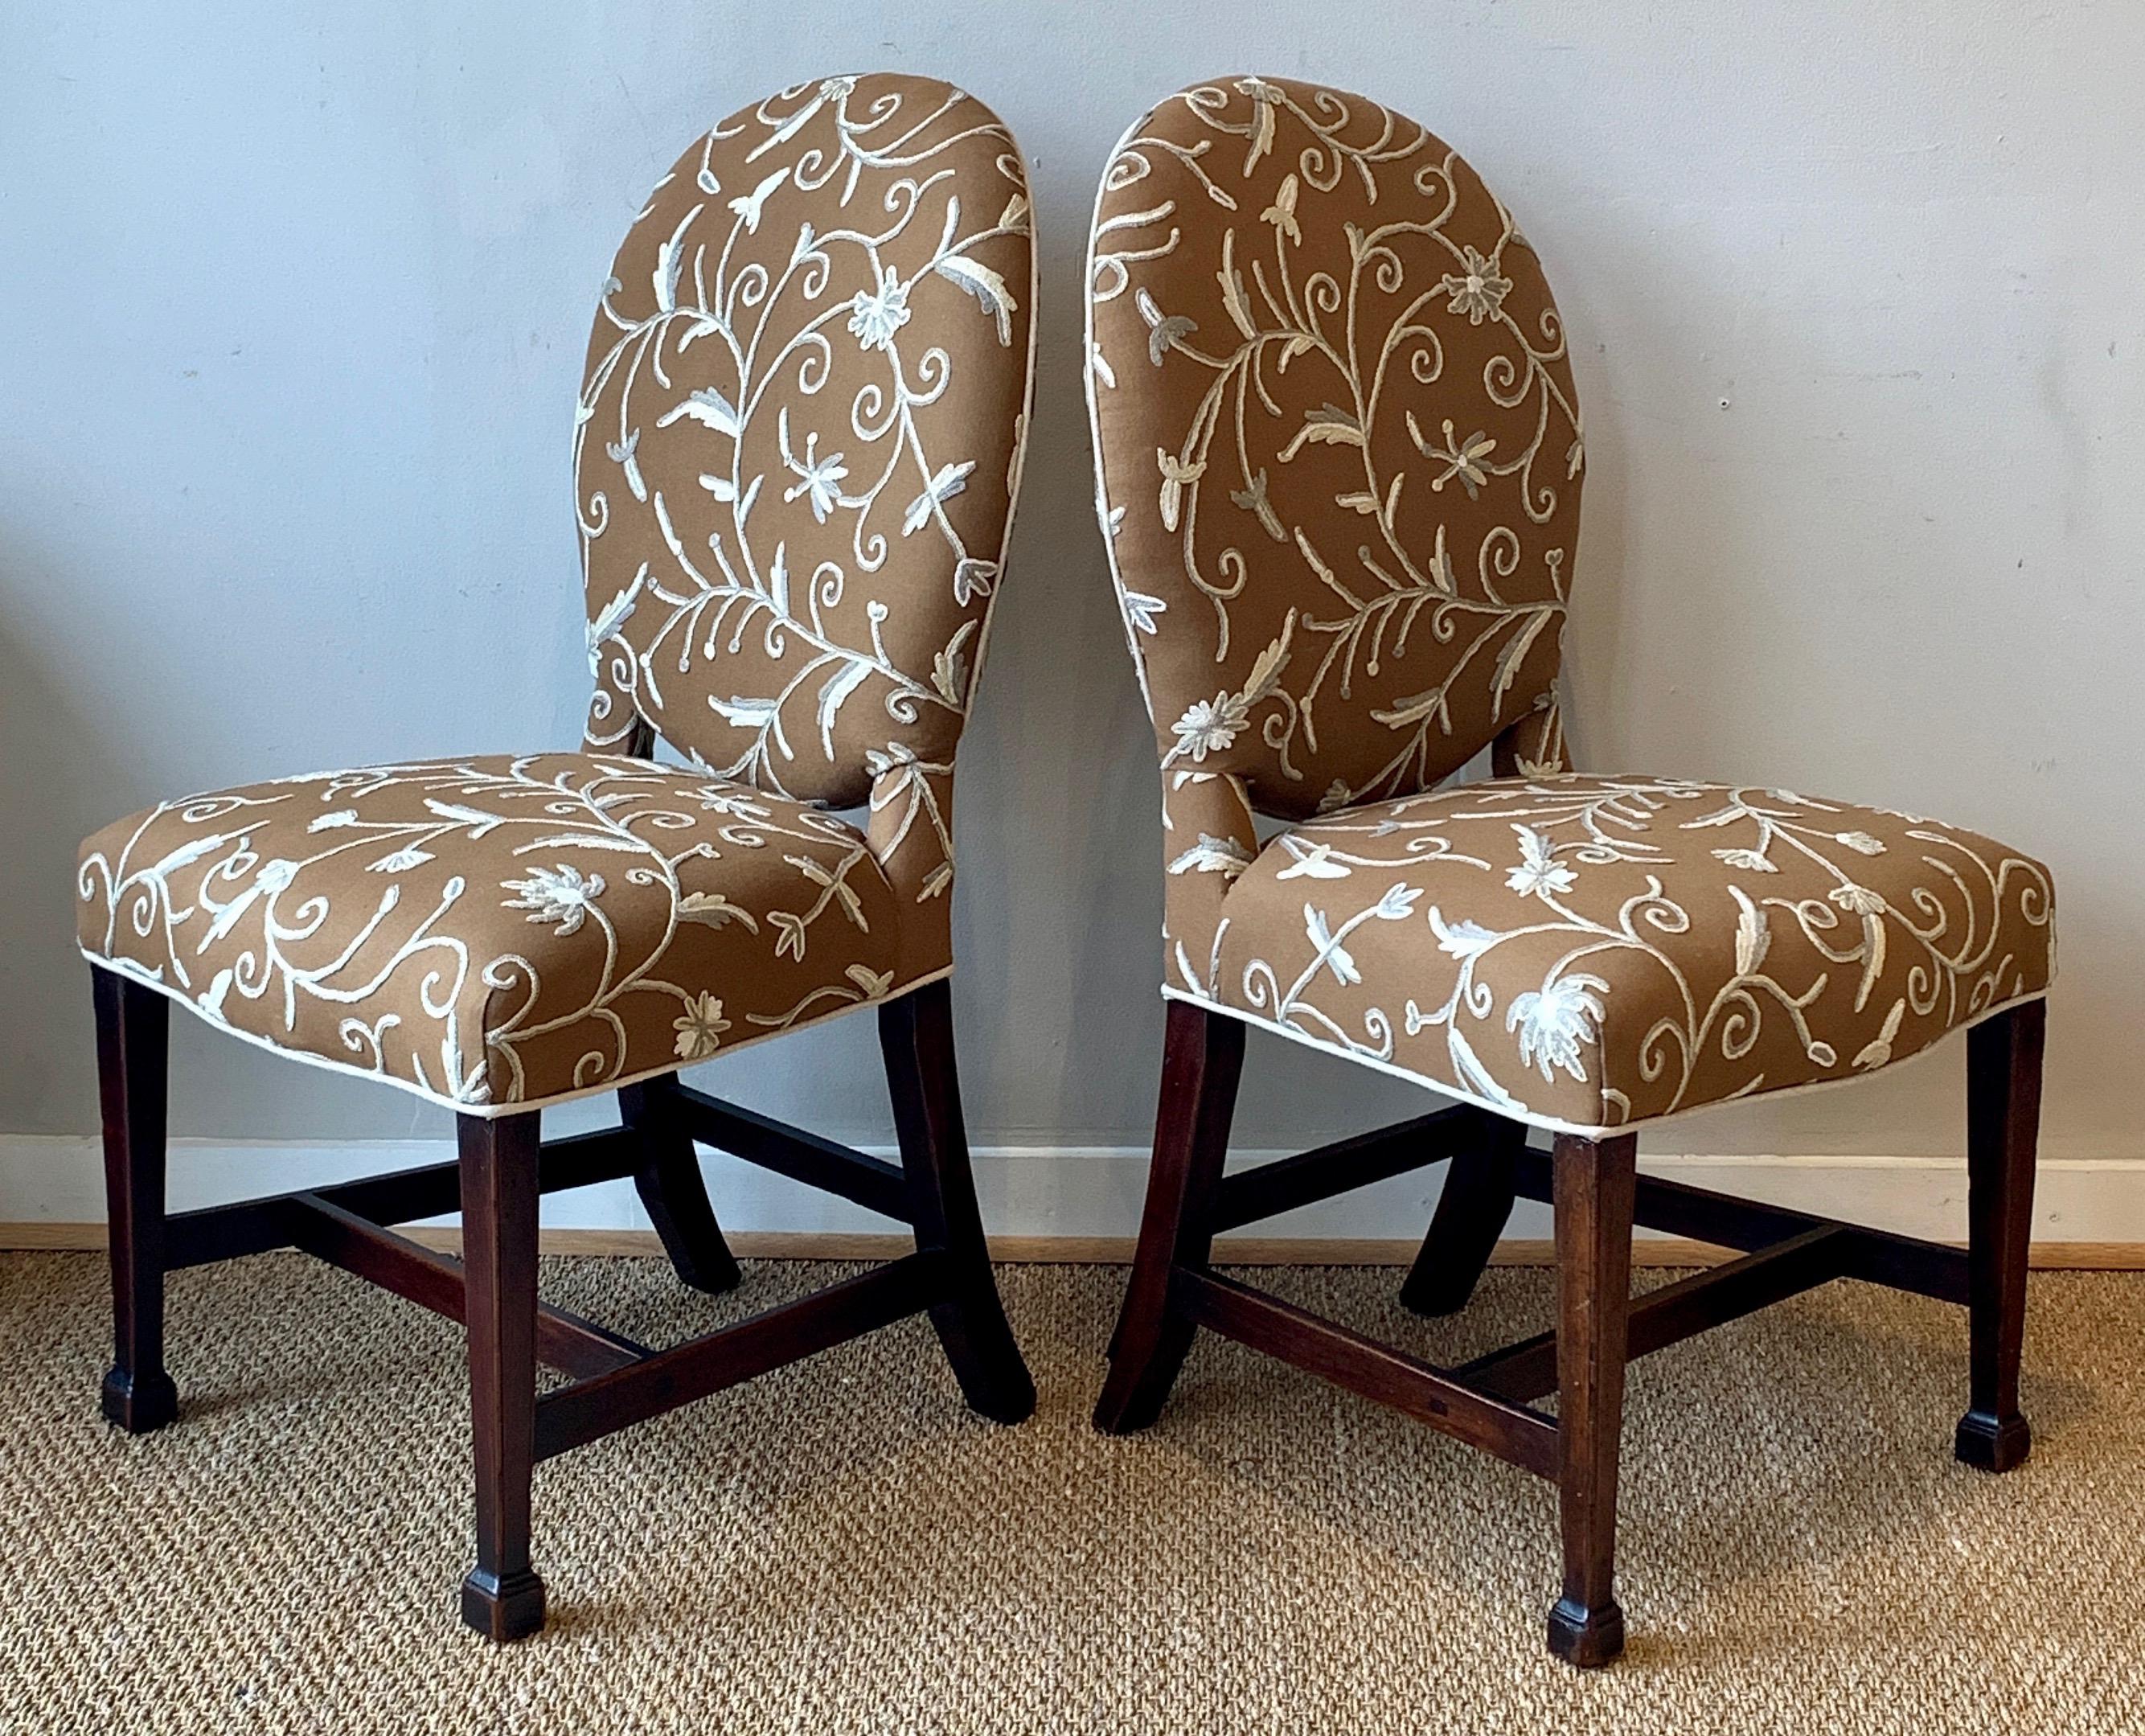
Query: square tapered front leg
x=502 y=1597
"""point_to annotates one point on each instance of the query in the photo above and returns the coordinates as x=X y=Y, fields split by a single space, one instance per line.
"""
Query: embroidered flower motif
x=1461 y=458
x=1555 y=1023
x=1209 y=725
x=562 y=895
x=1478 y=291
x=821 y=477
x=1749 y=861
x=1861 y=842
x=875 y=318
x=1540 y=874
x=700 y=1031
x=1856 y=900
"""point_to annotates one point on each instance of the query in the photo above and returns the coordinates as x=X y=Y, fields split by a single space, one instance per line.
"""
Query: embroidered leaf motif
x=1327 y=426
x=748 y=206
x=707 y=407
x=670 y=260
x=1754 y=937
x=949 y=481
x=987 y=286
x=843 y=682
x=715 y=910
x=1232 y=288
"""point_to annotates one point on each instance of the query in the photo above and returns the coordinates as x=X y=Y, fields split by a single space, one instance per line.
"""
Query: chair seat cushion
x=1588 y=952
x=494 y=932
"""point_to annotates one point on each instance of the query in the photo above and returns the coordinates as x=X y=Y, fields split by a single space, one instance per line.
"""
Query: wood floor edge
x=1094 y=1250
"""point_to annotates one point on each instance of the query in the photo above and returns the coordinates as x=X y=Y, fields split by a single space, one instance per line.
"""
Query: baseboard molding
x=2122 y=1256
x=1082 y=1205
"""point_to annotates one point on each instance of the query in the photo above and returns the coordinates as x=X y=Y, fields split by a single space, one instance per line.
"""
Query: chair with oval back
x=796 y=454
x=1340 y=457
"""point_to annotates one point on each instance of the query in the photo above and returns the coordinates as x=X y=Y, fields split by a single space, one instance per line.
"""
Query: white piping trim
x=1094 y=410
x=1550 y=1123
x=481 y=1112
x=1023 y=427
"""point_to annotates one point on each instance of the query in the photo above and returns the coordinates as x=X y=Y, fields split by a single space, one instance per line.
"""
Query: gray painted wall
x=292 y=303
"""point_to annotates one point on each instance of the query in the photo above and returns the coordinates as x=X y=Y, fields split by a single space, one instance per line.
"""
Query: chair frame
x=1597 y=1197
x=505 y=1166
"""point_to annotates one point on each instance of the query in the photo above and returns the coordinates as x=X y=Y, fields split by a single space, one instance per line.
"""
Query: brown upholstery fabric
x=1339 y=446
x=800 y=436
x=495 y=931
x=796 y=456
x=1589 y=951
x=1338 y=457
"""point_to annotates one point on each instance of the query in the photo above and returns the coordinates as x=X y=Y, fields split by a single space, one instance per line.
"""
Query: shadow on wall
x=56 y=770
x=63 y=775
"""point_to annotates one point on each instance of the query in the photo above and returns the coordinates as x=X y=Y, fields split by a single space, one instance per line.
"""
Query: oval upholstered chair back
x=799 y=437
x=1337 y=440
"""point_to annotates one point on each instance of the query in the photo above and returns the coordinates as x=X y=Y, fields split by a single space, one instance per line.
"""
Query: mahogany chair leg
x=502 y=1597
x=916 y=1035
x=132 y=1025
x=672 y=1189
x=2003 y=1118
x=1202 y=1058
x=1594 y=1184
x=1471 y=1213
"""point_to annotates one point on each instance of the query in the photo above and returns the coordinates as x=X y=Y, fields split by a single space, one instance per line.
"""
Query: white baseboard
x=1089 y=1194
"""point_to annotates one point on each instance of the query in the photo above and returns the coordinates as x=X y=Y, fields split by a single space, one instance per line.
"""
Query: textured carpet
x=841 y=1547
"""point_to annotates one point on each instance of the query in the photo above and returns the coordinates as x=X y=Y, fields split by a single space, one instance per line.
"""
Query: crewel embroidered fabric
x=1593 y=951
x=495 y=931
x=1338 y=447
x=795 y=453
x=1339 y=456
x=800 y=436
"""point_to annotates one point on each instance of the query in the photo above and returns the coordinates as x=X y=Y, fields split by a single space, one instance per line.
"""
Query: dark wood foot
x=133 y=1029
x=1471 y=1213
x=1594 y=1183
x=1993 y=1444
x=1203 y=1059
x=1588 y=1637
x=140 y=1402
x=916 y=1034
x=2003 y=1124
x=512 y=1608
x=502 y=1597
x=672 y=1189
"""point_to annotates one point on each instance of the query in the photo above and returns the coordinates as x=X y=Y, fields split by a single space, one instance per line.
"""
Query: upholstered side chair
x=796 y=454
x=1340 y=461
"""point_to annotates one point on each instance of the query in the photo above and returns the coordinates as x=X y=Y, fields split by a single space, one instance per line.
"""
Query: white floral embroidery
x=820 y=478
x=701 y=1028
x=877 y=315
x=1539 y=874
x=562 y=896
x=1556 y=1022
x=1477 y=290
